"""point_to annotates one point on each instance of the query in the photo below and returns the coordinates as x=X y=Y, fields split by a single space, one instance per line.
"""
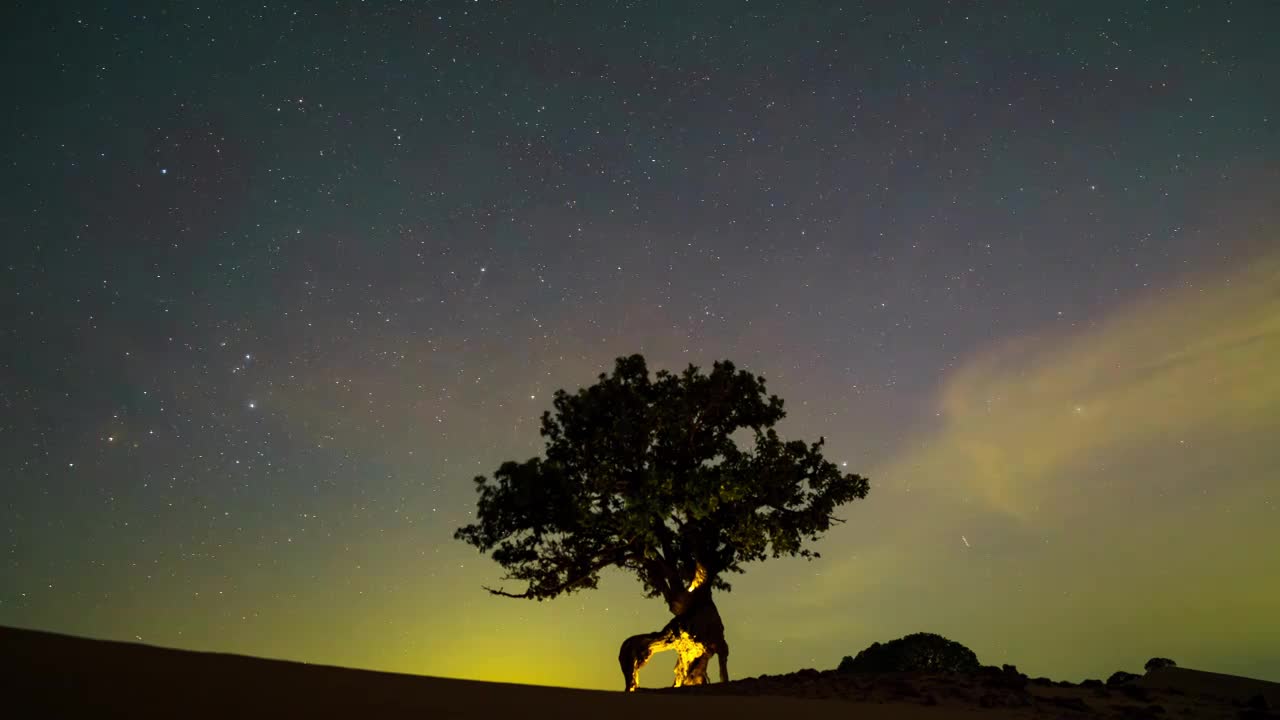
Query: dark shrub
x=1008 y=677
x=919 y=652
x=1121 y=677
x=1158 y=662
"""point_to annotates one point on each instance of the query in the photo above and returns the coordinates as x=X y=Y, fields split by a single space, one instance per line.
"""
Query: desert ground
x=50 y=675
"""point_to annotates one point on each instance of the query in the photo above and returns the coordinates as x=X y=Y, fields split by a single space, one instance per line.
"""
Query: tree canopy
x=918 y=652
x=646 y=474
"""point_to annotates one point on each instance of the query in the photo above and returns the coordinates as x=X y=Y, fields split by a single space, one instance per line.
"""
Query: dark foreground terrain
x=1164 y=693
x=48 y=675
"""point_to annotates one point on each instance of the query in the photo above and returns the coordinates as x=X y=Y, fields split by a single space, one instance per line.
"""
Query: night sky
x=280 y=278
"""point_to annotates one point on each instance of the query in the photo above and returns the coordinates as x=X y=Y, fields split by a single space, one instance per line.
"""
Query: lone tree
x=645 y=474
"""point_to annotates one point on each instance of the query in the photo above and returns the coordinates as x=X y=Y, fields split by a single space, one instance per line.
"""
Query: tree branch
x=503 y=593
x=600 y=565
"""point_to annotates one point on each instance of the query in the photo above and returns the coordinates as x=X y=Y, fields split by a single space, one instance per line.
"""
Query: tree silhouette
x=918 y=652
x=663 y=477
x=1156 y=663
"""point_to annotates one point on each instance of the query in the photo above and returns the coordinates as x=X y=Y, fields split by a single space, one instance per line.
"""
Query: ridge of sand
x=51 y=675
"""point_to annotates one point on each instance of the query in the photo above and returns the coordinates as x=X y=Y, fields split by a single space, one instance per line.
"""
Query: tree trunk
x=695 y=633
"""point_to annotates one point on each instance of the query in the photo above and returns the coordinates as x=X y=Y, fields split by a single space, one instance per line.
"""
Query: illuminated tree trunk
x=699 y=634
x=695 y=633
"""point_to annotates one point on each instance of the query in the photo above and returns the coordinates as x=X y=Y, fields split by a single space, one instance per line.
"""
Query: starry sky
x=280 y=278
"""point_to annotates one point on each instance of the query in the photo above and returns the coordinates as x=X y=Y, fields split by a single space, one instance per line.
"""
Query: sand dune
x=58 y=676
x=50 y=675
x=1210 y=684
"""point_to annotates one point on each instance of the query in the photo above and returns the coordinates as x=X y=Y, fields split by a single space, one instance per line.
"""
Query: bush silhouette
x=1156 y=663
x=1121 y=677
x=919 y=652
